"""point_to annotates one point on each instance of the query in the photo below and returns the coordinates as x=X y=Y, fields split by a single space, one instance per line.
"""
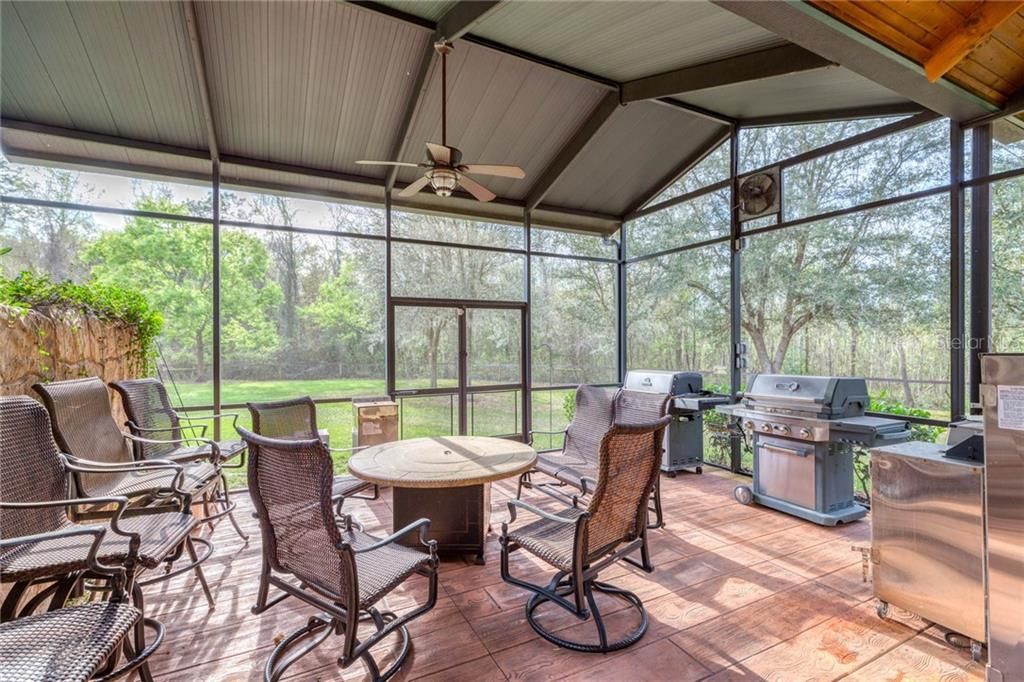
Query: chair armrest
x=86 y=466
x=355 y=449
x=187 y=416
x=74 y=531
x=137 y=430
x=120 y=500
x=529 y=436
x=586 y=481
x=422 y=524
x=214 y=448
x=519 y=504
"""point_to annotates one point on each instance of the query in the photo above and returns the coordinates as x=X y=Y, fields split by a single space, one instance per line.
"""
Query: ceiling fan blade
x=439 y=153
x=414 y=187
x=475 y=188
x=388 y=163
x=504 y=171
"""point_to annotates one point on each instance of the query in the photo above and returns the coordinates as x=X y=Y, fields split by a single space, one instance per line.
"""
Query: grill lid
x=819 y=397
x=660 y=381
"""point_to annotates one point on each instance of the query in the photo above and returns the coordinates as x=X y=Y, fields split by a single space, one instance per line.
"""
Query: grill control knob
x=781 y=428
x=766 y=427
x=805 y=432
x=748 y=424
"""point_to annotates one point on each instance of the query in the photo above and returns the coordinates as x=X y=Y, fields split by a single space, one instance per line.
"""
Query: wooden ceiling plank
x=979 y=79
x=974 y=31
x=861 y=18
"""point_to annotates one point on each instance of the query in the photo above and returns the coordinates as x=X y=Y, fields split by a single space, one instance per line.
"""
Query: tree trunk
x=433 y=341
x=200 y=352
x=908 y=394
x=854 y=340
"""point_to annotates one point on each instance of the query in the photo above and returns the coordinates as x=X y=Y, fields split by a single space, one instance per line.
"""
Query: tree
x=41 y=238
x=170 y=263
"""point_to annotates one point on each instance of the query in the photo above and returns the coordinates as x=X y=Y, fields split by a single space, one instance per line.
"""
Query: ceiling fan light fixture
x=443 y=180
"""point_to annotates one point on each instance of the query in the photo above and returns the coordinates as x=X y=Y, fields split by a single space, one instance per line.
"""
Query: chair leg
x=227 y=504
x=659 y=519
x=145 y=675
x=603 y=646
x=198 y=570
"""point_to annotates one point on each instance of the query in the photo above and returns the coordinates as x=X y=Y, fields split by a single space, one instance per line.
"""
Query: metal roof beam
x=455 y=23
x=684 y=167
x=101 y=138
x=463 y=16
x=700 y=112
x=199 y=64
x=815 y=30
x=824 y=116
x=554 y=170
x=387 y=10
x=419 y=89
x=775 y=61
x=1014 y=105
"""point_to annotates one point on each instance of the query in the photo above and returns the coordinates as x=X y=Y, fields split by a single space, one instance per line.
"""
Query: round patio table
x=446 y=479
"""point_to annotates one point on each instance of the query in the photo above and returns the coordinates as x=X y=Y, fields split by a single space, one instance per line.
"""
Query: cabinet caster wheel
x=882 y=609
x=672 y=474
x=743 y=494
x=700 y=470
x=976 y=651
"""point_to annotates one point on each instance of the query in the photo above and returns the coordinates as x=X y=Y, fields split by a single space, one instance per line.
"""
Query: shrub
x=30 y=291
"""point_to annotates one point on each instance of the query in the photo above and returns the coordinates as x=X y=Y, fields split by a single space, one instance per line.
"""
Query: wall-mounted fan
x=760 y=194
x=445 y=167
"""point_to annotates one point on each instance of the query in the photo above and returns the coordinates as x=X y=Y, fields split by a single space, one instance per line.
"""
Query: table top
x=442 y=462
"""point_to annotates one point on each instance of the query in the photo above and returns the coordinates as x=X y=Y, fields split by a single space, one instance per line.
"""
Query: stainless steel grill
x=684 y=438
x=804 y=429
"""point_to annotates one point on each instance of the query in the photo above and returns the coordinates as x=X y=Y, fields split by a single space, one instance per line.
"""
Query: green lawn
x=490 y=414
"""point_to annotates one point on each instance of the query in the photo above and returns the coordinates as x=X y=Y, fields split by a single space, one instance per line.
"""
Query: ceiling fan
x=445 y=169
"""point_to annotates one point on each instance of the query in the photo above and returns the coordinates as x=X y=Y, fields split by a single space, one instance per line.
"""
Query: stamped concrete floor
x=739 y=593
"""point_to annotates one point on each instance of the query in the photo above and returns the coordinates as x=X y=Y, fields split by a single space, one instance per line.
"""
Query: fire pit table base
x=459 y=517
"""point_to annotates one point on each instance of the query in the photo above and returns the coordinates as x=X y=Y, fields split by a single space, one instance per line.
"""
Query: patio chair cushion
x=160 y=533
x=568 y=470
x=65 y=645
x=348 y=485
x=198 y=476
x=187 y=453
x=549 y=540
x=384 y=569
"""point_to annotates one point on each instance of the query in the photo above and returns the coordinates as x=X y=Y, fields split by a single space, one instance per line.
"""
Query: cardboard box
x=376 y=421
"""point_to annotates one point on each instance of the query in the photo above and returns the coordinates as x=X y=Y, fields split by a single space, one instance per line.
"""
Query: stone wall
x=58 y=342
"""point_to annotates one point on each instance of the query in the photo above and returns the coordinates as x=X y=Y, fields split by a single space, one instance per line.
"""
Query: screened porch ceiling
x=603 y=104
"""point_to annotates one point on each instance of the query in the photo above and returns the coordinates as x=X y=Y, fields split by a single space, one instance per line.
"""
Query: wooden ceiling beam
x=975 y=30
x=815 y=30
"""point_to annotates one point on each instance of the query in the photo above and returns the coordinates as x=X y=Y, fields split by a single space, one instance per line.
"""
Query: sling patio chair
x=76 y=643
x=576 y=465
x=318 y=557
x=296 y=419
x=100 y=456
x=33 y=478
x=580 y=543
x=179 y=438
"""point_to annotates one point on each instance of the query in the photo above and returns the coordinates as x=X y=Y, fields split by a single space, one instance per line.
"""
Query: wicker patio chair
x=580 y=543
x=641 y=407
x=100 y=456
x=179 y=438
x=318 y=557
x=76 y=643
x=33 y=478
x=296 y=419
